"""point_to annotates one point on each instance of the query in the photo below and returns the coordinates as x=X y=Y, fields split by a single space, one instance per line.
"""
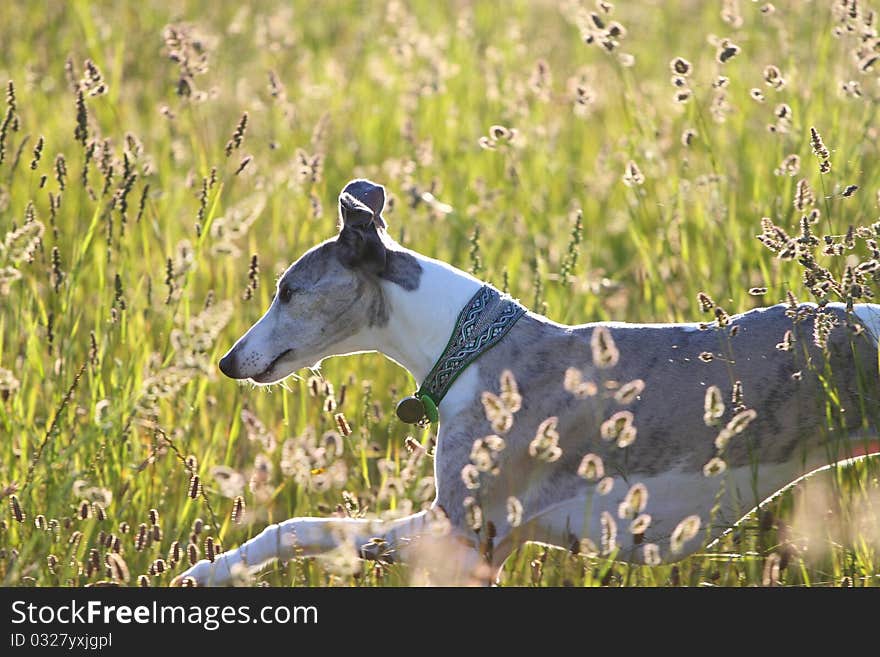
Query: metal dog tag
x=410 y=410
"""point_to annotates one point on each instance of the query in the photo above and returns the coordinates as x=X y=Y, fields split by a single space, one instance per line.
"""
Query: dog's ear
x=360 y=222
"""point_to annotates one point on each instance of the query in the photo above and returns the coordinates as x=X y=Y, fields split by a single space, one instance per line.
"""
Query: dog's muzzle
x=228 y=366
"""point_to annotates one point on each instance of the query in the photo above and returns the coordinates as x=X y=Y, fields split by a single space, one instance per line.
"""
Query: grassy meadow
x=162 y=163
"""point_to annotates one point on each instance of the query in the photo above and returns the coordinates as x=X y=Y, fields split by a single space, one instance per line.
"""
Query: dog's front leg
x=305 y=537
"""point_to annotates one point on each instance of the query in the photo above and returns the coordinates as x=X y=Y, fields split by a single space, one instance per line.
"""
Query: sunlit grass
x=174 y=221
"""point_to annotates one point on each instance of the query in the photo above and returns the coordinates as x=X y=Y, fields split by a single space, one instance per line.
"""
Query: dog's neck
x=421 y=320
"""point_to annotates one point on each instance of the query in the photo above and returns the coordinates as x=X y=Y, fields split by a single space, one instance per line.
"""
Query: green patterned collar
x=484 y=320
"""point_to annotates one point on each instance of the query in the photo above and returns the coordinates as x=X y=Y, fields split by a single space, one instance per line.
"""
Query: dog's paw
x=202 y=574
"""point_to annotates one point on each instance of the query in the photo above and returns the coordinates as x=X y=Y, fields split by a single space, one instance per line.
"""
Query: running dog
x=610 y=421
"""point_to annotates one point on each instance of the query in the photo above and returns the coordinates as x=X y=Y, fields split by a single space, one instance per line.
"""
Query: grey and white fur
x=361 y=291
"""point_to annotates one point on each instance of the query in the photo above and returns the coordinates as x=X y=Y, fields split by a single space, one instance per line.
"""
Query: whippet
x=612 y=435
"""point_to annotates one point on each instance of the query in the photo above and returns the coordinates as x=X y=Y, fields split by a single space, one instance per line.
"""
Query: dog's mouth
x=267 y=376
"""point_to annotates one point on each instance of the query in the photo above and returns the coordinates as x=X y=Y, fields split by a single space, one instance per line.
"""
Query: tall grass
x=160 y=168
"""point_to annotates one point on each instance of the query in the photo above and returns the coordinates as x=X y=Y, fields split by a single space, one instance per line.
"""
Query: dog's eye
x=284 y=293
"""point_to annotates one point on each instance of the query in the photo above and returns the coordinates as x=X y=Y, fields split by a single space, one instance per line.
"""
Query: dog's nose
x=227 y=365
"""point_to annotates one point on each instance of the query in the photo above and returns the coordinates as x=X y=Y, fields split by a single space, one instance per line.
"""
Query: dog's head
x=329 y=300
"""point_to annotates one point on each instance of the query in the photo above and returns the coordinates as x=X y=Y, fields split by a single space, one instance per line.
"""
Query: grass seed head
x=238 y=509
x=591 y=467
x=685 y=531
x=713 y=406
x=681 y=66
x=608 y=540
x=8 y=383
x=81 y=131
x=497 y=412
x=634 y=502
x=514 y=511
x=195 y=486
x=787 y=342
x=470 y=476
x=823 y=324
x=714 y=467
x=119 y=571
x=739 y=422
x=473 y=514
x=727 y=50
x=192 y=553
x=545 y=445
x=818 y=146
x=736 y=395
x=15 y=506
x=38 y=152
x=575 y=385
x=237 y=136
x=632 y=175
x=243 y=164
x=629 y=392
x=588 y=548
x=640 y=525
x=619 y=427
x=651 y=554
x=773 y=77
x=10 y=96
x=605 y=353
x=790 y=166
x=342 y=425
x=485 y=453
x=605 y=485
x=92 y=81
x=510 y=396
x=705 y=301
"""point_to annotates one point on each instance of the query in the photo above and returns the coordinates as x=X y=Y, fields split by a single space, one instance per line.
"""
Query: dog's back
x=769 y=355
